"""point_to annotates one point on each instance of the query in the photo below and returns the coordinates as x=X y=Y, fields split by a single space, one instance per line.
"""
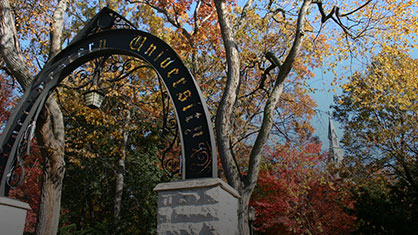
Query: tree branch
x=226 y=105
x=169 y=18
x=196 y=11
x=273 y=59
x=355 y=10
x=244 y=12
x=57 y=27
x=336 y=12
x=235 y=158
x=10 y=49
x=267 y=123
x=324 y=17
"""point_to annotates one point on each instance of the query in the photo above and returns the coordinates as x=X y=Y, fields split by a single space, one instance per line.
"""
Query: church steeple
x=335 y=152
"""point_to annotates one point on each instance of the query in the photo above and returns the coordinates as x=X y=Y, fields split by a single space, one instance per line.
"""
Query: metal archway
x=100 y=38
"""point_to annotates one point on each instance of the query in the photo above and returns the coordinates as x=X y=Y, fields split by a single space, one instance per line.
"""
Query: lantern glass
x=93 y=99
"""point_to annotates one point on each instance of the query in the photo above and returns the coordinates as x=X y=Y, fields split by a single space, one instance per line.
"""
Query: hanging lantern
x=93 y=99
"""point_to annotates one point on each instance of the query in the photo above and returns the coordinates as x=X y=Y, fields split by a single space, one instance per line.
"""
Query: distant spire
x=335 y=153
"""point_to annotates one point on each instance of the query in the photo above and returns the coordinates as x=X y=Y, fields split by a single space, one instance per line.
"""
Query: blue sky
x=324 y=98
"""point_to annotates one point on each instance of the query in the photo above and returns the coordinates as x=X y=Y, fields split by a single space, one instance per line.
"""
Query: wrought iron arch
x=100 y=38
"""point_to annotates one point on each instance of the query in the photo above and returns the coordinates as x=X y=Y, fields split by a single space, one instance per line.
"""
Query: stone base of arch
x=197 y=206
x=12 y=216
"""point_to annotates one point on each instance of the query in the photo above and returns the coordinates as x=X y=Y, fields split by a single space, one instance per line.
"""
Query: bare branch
x=204 y=20
x=57 y=27
x=198 y=23
x=273 y=59
x=355 y=10
x=336 y=16
x=231 y=148
x=264 y=75
x=324 y=17
x=196 y=11
x=267 y=123
x=243 y=138
x=244 y=12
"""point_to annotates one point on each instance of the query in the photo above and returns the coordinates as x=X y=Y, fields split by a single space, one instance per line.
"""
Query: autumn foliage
x=30 y=189
x=378 y=109
x=295 y=192
x=5 y=100
x=295 y=195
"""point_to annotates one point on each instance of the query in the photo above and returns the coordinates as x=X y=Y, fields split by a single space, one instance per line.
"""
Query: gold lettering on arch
x=150 y=49
x=173 y=71
x=180 y=81
x=137 y=43
x=183 y=96
x=166 y=63
x=158 y=56
x=187 y=107
x=102 y=43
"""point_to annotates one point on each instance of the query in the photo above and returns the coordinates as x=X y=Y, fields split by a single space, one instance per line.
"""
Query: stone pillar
x=12 y=216
x=198 y=206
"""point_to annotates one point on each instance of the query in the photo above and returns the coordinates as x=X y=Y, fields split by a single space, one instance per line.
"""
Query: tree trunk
x=119 y=189
x=243 y=223
x=50 y=131
x=120 y=171
x=50 y=136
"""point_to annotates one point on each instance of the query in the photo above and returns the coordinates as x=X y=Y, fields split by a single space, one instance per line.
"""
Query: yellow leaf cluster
x=391 y=81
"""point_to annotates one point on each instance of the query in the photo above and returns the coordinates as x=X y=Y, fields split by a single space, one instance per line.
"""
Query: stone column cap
x=14 y=203
x=196 y=183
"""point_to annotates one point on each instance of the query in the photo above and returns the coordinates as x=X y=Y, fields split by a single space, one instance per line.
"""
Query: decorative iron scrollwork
x=106 y=19
x=103 y=73
x=169 y=135
x=170 y=164
x=201 y=158
x=14 y=178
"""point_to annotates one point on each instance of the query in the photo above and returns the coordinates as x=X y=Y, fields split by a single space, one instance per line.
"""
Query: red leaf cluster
x=5 y=100
x=30 y=189
x=295 y=194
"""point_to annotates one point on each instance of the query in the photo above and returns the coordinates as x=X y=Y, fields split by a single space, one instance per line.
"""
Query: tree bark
x=10 y=49
x=120 y=171
x=50 y=136
x=50 y=131
x=226 y=105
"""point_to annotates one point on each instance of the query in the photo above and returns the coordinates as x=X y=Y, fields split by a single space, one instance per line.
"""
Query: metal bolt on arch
x=107 y=34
